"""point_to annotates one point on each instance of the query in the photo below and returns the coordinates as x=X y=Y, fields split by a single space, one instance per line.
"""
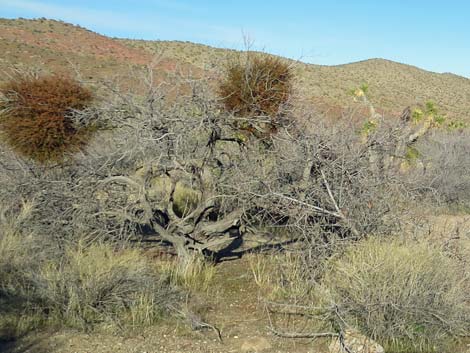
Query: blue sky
x=434 y=35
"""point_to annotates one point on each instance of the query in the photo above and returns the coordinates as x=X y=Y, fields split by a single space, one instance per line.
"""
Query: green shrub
x=35 y=116
x=260 y=86
x=407 y=296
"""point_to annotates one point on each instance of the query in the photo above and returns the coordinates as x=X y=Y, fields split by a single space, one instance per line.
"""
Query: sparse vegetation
x=118 y=236
x=407 y=296
x=80 y=286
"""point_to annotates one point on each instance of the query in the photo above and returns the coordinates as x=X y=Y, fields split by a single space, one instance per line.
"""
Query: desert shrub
x=36 y=116
x=257 y=86
x=318 y=183
x=96 y=284
x=79 y=286
x=404 y=295
x=447 y=168
x=20 y=256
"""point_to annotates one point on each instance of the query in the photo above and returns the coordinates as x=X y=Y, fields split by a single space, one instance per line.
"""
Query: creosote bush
x=408 y=296
x=36 y=116
x=257 y=86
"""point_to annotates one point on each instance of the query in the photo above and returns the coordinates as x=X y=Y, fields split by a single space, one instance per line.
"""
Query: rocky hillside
x=58 y=47
x=392 y=86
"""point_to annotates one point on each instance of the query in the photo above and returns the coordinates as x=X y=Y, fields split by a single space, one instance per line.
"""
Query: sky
x=431 y=34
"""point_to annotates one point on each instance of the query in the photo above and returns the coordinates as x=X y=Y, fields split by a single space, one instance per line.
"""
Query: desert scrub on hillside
x=177 y=171
x=256 y=87
x=407 y=296
x=37 y=116
x=173 y=170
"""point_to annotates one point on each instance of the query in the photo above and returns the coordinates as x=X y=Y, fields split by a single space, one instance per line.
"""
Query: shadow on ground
x=23 y=345
x=12 y=338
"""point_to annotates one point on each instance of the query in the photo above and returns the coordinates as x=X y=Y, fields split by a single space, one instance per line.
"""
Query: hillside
x=153 y=202
x=58 y=47
x=392 y=86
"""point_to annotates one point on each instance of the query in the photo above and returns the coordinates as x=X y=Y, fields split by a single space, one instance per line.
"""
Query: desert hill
x=392 y=86
x=145 y=223
x=60 y=47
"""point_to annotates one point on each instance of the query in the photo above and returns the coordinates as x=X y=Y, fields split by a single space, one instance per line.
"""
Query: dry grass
x=95 y=284
x=16 y=248
x=195 y=274
x=83 y=286
x=280 y=276
x=19 y=255
x=408 y=296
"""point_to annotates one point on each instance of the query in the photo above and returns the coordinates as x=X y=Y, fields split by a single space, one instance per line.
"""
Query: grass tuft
x=195 y=274
x=95 y=284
